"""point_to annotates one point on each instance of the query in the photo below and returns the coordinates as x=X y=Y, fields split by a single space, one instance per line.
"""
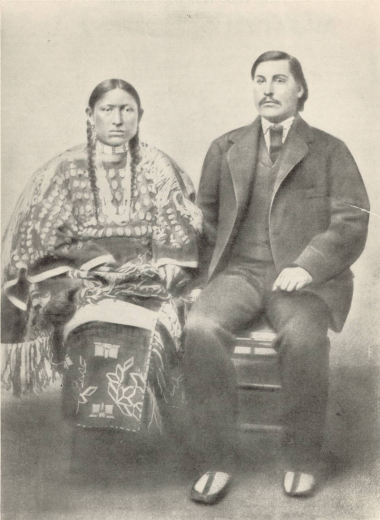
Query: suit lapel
x=295 y=149
x=242 y=158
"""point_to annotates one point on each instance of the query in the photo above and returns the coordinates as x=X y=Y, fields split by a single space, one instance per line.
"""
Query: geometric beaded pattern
x=64 y=215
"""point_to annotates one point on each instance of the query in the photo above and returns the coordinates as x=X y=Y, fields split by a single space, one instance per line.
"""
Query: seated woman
x=99 y=240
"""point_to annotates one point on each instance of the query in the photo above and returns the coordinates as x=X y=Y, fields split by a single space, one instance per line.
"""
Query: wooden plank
x=259 y=387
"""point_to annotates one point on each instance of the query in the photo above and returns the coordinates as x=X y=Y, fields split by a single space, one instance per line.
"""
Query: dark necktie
x=275 y=133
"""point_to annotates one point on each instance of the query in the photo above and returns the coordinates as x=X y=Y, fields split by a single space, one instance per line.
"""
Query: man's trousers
x=229 y=303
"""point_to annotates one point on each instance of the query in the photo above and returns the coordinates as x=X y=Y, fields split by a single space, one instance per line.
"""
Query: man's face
x=116 y=117
x=275 y=91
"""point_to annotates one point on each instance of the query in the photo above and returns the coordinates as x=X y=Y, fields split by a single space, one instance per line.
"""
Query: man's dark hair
x=295 y=69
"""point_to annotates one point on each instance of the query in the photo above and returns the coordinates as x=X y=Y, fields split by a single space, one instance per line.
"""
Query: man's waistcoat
x=252 y=241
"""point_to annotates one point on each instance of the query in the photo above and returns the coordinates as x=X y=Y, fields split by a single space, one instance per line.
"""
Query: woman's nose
x=116 y=117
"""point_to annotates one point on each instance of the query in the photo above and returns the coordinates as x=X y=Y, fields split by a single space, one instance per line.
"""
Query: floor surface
x=118 y=481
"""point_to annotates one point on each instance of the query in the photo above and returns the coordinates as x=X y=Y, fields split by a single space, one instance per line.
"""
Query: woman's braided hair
x=91 y=166
x=134 y=144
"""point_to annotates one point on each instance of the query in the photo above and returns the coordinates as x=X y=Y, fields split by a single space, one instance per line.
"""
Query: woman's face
x=115 y=116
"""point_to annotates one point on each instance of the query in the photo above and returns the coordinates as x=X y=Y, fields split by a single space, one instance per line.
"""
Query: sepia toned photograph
x=190 y=215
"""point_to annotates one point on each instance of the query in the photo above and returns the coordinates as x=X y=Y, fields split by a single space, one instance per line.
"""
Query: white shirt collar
x=285 y=124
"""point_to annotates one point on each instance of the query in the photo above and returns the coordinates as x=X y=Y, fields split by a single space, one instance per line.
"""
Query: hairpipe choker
x=111 y=150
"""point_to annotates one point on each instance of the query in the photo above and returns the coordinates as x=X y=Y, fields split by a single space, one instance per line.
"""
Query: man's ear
x=301 y=91
x=90 y=115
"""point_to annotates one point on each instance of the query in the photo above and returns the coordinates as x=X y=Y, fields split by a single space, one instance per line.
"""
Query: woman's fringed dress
x=83 y=292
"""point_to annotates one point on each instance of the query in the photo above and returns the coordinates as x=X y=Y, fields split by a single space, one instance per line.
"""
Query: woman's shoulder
x=74 y=154
x=164 y=163
x=41 y=179
x=43 y=176
x=77 y=153
x=151 y=153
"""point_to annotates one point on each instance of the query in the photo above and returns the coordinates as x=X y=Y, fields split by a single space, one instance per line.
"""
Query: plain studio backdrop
x=190 y=62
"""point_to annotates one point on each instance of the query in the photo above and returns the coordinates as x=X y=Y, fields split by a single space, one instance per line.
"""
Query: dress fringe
x=26 y=367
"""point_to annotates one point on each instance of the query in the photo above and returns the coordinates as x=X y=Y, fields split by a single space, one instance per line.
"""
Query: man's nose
x=268 y=91
x=116 y=117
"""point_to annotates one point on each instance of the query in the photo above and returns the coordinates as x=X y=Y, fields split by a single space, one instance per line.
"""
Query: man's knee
x=203 y=332
x=199 y=326
x=205 y=338
x=304 y=337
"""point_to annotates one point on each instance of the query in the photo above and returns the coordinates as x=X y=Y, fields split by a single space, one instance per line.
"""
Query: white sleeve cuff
x=95 y=262
x=164 y=261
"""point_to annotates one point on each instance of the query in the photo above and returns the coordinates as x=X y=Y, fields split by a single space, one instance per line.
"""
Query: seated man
x=285 y=216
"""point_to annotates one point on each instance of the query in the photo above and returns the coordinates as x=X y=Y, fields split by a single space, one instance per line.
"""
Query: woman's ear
x=141 y=113
x=90 y=115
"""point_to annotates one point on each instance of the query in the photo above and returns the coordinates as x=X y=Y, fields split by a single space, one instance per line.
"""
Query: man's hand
x=173 y=275
x=292 y=279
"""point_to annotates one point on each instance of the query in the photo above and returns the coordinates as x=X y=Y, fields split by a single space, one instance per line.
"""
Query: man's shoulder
x=321 y=137
x=233 y=135
x=325 y=136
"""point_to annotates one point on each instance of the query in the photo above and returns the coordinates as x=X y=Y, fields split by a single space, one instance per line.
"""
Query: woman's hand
x=106 y=268
x=173 y=275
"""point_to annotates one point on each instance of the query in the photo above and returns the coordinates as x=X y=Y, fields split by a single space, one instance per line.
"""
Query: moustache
x=270 y=100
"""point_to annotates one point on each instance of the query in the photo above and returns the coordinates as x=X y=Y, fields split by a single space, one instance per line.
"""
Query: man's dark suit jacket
x=318 y=215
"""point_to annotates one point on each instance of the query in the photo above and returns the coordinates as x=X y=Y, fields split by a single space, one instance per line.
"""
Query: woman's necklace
x=102 y=148
x=120 y=214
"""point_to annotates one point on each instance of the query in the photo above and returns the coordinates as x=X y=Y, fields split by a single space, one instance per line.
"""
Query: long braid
x=134 y=148
x=91 y=167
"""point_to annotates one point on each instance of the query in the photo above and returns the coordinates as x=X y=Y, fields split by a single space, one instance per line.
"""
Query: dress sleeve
x=178 y=221
x=43 y=240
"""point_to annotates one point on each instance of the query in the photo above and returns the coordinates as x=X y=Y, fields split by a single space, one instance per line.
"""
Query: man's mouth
x=269 y=102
